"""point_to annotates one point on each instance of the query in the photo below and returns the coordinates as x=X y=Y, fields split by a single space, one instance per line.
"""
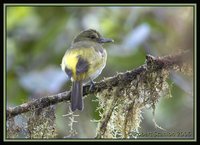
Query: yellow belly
x=96 y=60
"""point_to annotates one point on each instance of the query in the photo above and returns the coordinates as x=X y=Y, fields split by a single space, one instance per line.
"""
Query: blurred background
x=38 y=36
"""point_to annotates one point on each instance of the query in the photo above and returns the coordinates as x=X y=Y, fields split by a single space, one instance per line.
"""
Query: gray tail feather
x=76 y=96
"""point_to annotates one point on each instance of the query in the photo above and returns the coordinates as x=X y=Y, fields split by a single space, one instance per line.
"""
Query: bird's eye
x=92 y=36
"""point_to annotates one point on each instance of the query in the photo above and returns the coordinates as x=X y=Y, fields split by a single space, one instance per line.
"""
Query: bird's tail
x=76 y=96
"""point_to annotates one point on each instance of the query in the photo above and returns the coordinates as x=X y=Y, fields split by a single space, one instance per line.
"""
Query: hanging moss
x=120 y=107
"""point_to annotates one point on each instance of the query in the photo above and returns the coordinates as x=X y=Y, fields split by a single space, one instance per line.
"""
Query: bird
x=83 y=62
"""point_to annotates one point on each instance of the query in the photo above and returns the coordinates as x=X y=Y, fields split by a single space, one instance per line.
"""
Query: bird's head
x=91 y=35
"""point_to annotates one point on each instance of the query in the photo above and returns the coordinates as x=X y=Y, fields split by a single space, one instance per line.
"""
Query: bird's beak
x=105 y=40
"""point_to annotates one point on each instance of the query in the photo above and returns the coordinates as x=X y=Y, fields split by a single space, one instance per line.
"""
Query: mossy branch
x=174 y=62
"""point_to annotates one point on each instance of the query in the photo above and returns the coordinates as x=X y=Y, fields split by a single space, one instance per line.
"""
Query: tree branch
x=174 y=62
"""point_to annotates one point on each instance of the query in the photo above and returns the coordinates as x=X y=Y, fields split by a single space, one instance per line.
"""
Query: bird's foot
x=91 y=85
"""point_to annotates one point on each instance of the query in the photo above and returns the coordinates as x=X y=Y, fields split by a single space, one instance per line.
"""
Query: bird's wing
x=82 y=65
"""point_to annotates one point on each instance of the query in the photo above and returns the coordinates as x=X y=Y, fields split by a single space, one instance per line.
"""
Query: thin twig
x=104 y=121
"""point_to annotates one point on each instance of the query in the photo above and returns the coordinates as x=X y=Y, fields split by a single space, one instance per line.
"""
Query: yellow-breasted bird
x=83 y=62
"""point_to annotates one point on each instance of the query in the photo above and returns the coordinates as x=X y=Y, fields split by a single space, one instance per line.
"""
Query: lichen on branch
x=121 y=97
x=125 y=115
x=122 y=119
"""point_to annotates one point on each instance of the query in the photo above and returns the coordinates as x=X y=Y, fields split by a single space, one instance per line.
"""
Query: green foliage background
x=38 y=36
